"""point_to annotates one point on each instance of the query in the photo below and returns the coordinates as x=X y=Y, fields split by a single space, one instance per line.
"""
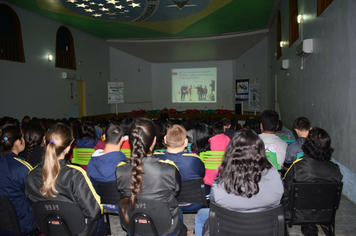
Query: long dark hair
x=243 y=163
x=34 y=134
x=141 y=138
x=9 y=134
x=317 y=145
x=201 y=134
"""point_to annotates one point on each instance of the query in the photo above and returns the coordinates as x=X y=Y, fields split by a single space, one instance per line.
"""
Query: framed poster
x=115 y=92
x=242 y=90
x=254 y=100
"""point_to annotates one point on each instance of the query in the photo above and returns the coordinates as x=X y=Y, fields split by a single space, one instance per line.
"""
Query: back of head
x=302 y=124
x=226 y=122
x=280 y=125
x=58 y=139
x=34 y=135
x=8 y=136
x=201 y=134
x=86 y=130
x=113 y=133
x=218 y=127
x=245 y=155
x=318 y=145
x=126 y=124
x=160 y=133
x=176 y=135
x=269 y=120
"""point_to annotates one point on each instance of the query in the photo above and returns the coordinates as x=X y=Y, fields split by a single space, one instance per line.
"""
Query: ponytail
x=34 y=134
x=8 y=136
x=141 y=139
x=58 y=139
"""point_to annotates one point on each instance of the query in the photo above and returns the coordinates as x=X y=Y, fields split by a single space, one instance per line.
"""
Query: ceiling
x=161 y=31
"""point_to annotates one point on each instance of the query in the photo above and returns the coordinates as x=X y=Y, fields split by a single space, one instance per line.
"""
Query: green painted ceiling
x=197 y=18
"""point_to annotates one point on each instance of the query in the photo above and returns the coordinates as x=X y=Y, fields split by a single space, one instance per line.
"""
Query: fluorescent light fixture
x=50 y=57
x=300 y=18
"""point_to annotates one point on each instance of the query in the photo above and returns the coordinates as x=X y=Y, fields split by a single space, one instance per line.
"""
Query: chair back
x=320 y=200
x=81 y=156
x=108 y=192
x=193 y=192
x=57 y=218
x=226 y=222
x=212 y=159
x=127 y=152
x=8 y=216
x=272 y=157
x=150 y=217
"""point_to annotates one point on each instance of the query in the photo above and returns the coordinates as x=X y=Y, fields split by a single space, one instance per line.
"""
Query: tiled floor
x=345 y=222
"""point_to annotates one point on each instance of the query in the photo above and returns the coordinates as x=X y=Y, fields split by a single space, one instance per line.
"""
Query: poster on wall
x=242 y=90
x=115 y=92
x=254 y=100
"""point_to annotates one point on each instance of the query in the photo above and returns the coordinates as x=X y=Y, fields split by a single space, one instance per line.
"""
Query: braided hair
x=34 y=134
x=141 y=139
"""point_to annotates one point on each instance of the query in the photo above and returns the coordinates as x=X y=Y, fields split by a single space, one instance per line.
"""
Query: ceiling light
x=50 y=57
x=300 y=18
x=282 y=44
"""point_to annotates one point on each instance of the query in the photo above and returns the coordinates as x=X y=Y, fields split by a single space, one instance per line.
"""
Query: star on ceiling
x=111 y=13
x=111 y=2
x=86 y=0
x=72 y=1
x=104 y=9
x=126 y=11
x=82 y=5
x=92 y=3
x=89 y=10
x=119 y=7
x=96 y=15
x=135 y=5
x=129 y=0
x=100 y=4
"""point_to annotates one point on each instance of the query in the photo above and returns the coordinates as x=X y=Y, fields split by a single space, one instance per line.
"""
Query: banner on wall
x=115 y=92
x=254 y=100
x=242 y=90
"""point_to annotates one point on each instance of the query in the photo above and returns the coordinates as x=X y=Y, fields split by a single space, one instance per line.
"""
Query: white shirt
x=275 y=144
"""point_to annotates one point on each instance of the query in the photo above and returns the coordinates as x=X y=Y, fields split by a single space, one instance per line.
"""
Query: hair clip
x=5 y=139
x=52 y=142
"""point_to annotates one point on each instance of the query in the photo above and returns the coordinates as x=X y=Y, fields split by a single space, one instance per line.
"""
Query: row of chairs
x=152 y=217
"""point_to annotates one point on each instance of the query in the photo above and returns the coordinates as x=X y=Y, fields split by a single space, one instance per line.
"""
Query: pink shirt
x=219 y=142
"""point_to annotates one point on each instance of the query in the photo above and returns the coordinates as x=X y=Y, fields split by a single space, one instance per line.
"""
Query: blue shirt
x=292 y=150
x=189 y=164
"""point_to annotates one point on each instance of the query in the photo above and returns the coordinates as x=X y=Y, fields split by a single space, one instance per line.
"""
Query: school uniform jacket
x=73 y=185
x=161 y=181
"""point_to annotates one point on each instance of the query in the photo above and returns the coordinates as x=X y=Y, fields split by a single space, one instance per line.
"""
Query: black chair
x=193 y=192
x=226 y=222
x=150 y=217
x=8 y=216
x=58 y=218
x=109 y=195
x=314 y=203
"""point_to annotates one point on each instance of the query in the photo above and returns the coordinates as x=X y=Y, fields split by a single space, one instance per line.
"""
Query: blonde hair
x=58 y=139
x=176 y=135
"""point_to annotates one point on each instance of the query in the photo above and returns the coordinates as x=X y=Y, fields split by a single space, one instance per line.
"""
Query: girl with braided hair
x=147 y=176
x=35 y=144
x=13 y=174
x=57 y=179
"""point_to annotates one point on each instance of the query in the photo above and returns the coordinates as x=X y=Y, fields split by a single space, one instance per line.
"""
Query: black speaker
x=238 y=108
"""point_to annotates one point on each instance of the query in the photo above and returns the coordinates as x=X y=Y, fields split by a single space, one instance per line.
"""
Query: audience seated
x=315 y=166
x=57 y=179
x=35 y=144
x=268 y=126
x=257 y=186
x=160 y=133
x=126 y=124
x=227 y=128
x=147 y=176
x=13 y=174
x=190 y=166
x=201 y=135
x=301 y=127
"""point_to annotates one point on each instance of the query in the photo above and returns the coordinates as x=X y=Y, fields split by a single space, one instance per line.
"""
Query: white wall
x=35 y=88
x=253 y=65
x=162 y=85
x=136 y=75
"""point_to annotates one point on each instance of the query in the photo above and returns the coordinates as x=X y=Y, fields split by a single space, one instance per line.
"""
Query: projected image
x=196 y=85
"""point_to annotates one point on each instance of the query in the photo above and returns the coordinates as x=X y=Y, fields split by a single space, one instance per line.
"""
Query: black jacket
x=161 y=181
x=308 y=169
x=73 y=185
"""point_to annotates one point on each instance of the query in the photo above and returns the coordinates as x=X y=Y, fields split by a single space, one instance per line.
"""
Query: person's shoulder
x=168 y=163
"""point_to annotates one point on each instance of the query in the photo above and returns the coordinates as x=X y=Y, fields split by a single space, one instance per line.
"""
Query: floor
x=345 y=222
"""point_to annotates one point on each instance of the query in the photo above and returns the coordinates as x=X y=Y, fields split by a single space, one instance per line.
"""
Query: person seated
x=160 y=133
x=315 y=166
x=301 y=127
x=56 y=179
x=227 y=130
x=268 y=126
x=102 y=164
x=258 y=186
x=219 y=141
x=126 y=124
x=147 y=176
x=35 y=144
x=13 y=174
x=189 y=164
x=87 y=138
